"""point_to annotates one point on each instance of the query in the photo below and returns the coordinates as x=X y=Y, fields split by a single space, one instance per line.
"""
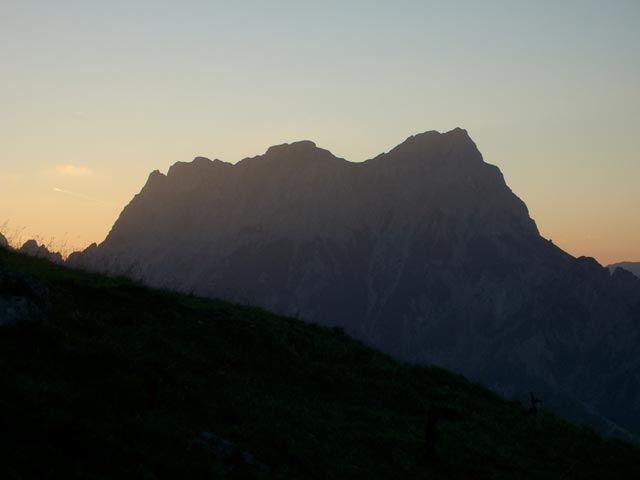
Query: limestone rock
x=423 y=252
x=31 y=247
x=23 y=299
x=227 y=454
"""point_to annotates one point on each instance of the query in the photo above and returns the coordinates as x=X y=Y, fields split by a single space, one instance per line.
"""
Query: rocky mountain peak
x=294 y=148
x=201 y=161
x=456 y=135
x=423 y=252
x=31 y=247
x=156 y=176
x=296 y=153
x=454 y=148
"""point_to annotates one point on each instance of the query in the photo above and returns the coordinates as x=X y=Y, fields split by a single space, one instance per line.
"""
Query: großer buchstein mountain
x=422 y=252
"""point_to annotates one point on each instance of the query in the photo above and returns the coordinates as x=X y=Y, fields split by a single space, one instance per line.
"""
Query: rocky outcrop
x=31 y=248
x=87 y=259
x=23 y=299
x=3 y=241
x=226 y=454
x=423 y=252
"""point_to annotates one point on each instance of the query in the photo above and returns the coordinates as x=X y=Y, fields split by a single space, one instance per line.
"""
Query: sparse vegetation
x=17 y=236
x=121 y=378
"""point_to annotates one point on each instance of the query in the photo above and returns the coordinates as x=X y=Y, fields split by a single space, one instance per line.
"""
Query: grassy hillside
x=121 y=378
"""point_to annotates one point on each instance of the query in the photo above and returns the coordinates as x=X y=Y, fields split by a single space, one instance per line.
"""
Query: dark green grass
x=122 y=377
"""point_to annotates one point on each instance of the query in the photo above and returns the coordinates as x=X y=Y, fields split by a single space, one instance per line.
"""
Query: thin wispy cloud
x=73 y=170
x=79 y=195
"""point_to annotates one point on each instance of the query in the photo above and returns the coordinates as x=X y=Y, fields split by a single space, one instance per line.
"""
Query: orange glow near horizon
x=82 y=209
x=96 y=95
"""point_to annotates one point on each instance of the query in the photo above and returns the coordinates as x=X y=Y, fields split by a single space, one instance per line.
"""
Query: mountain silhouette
x=31 y=247
x=422 y=252
x=633 y=267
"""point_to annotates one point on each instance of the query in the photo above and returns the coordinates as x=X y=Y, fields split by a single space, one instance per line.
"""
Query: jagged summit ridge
x=300 y=146
x=307 y=149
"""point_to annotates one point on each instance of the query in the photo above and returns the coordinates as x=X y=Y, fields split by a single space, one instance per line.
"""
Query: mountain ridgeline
x=422 y=252
x=633 y=267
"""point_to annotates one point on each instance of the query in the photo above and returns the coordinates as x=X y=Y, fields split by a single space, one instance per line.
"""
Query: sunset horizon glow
x=98 y=95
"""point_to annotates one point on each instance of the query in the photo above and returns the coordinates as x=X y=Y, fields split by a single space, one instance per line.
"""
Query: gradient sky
x=94 y=95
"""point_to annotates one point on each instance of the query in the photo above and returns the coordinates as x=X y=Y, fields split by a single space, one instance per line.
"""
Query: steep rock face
x=423 y=252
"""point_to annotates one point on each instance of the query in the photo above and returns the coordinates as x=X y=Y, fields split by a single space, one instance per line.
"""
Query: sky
x=95 y=95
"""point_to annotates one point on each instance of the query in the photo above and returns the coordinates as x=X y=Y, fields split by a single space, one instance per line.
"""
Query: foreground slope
x=120 y=378
x=422 y=252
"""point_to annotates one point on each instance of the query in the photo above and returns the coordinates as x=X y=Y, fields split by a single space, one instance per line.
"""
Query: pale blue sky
x=548 y=90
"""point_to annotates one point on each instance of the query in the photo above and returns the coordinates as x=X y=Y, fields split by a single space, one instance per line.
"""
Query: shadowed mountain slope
x=422 y=252
x=120 y=380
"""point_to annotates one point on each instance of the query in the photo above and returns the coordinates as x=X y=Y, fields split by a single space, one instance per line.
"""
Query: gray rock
x=423 y=252
x=225 y=452
x=31 y=248
x=3 y=241
x=23 y=299
x=85 y=259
